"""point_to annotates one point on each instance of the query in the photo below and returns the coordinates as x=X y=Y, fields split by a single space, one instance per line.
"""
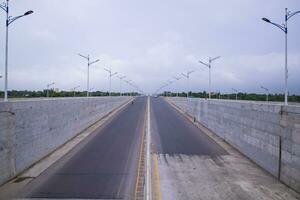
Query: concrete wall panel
x=30 y=130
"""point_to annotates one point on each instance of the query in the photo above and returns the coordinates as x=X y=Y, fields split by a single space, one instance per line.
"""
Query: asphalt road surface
x=103 y=166
x=173 y=134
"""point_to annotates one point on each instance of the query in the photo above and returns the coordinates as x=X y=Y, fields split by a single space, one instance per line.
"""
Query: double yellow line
x=143 y=165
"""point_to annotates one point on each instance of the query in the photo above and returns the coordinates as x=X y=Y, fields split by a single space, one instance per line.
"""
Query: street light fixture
x=5 y=7
x=284 y=28
x=209 y=67
x=111 y=74
x=121 y=78
x=48 y=86
x=236 y=92
x=187 y=76
x=88 y=72
x=267 y=92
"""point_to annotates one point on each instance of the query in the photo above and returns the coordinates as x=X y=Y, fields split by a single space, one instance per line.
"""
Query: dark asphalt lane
x=172 y=133
x=102 y=167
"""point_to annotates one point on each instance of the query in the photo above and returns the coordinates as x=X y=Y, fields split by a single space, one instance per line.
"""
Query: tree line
x=53 y=93
x=240 y=96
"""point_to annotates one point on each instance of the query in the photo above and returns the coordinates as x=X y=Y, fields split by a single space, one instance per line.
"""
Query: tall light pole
x=236 y=92
x=48 y=86
x=267 y=92
x=177 y=79
x=121 y=78
x=219 y=93
x=128 y=83
x=167 y=84
x=88 y=72
x=187 y=76
x=284 y=28
x=209 y=67
x=74 y=90
x=111 y=74
x=5 y=6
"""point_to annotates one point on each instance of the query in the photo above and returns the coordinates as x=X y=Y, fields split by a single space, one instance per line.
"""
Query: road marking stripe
x=139 y=170
x=148 y=154
x=157 y=186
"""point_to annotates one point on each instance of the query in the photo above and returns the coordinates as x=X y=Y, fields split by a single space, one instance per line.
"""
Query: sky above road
x=150 y=42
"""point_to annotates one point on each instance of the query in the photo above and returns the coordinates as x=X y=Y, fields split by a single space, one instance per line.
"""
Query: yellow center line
x=140 y=156
x=157 y=188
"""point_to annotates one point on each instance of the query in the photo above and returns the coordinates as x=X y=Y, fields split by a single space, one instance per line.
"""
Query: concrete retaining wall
x=29 y=130
x=269 y=134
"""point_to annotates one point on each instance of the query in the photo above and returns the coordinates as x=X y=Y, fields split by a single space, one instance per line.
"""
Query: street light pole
x=5 y=6
x=177 y=79
x=267 y=92
x=121 y=78
x=236 y=92
x=74 y=90
x=111 y=74
x=128 y=83
x=88 y=72
x=48 y=86
x=284 y=28
x=209 y=68
x=187 y=76
x=167 y=84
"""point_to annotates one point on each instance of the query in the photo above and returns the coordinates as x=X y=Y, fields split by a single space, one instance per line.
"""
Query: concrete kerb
x=24 y=177
x=222 y=142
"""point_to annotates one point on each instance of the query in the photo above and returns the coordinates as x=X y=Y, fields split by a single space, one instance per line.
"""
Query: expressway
x=104 y=166
x=186 y=162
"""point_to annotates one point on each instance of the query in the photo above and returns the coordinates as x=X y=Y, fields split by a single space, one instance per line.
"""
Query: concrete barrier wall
x=30 y=130
x=269 y=134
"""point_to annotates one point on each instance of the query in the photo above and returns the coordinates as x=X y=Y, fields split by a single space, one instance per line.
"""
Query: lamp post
x=88 y=72
x=74 y=90
x=128 y=83
x=236 y=92
x=121 y=78
x=177 y=79
x=267 y=92
x=284 y=28
x=209 y=67
x=187 y=76
x=111 y=74
x=48 y=86
x=167 y=84
x=5 y=6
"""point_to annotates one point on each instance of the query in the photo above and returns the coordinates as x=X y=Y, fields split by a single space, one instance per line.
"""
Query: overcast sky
x=151 y=41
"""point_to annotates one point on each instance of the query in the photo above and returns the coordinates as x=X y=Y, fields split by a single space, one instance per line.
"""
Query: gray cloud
x=151 y=41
